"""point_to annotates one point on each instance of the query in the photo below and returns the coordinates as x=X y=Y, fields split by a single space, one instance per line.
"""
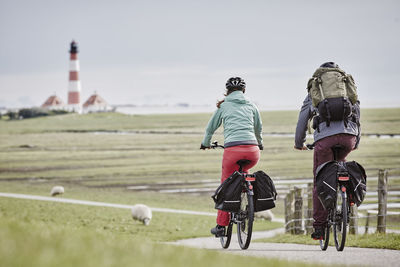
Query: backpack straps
x=347 y=110
x=328 y=113
x=319 y=82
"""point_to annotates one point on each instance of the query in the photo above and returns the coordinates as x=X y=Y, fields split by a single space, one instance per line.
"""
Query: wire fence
x=299 y=211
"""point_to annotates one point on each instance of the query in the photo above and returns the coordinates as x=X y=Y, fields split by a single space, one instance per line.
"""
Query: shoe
x=318 y=234
x=218 y=231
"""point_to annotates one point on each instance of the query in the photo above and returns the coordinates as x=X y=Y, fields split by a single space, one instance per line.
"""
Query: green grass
x=36 y=233
x=382 y=241
x=382 y=121
x=27 y=244
x=36 y=154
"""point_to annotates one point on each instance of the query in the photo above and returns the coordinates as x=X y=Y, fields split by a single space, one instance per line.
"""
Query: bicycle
x=338 y=216
x=245 y=216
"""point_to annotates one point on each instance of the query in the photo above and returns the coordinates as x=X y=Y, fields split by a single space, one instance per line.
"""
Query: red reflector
x=343 y=189
x=251 y=187
x=343 y=178
x=351 y=203
x=250 y=179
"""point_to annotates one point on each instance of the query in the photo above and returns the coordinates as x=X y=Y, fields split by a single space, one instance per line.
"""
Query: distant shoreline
x=166 y=109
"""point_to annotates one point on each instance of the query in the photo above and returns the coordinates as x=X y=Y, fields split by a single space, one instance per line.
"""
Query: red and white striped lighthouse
x=74 y=87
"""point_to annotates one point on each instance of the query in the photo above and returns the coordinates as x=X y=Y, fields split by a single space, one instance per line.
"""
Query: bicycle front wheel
x=226 y=239
x=340 y=223
x=246 y=218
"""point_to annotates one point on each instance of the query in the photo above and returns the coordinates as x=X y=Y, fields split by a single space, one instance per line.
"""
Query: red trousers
x=323 y=153
x=231 y=156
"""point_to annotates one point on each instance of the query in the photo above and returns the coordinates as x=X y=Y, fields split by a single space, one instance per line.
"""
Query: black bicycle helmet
x=235 y=83
x=329 y=65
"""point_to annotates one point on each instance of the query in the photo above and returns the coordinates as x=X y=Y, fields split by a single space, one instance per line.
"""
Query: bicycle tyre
x=226 y=240
x=245 y=223
x=324 y=243
x=340 y=220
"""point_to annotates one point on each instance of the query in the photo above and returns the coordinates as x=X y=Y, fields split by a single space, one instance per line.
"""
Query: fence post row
x=294 y=209
x=382 y=200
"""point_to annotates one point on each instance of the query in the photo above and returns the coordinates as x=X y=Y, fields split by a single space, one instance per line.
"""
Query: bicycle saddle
x=336 y=149
x=243 y=162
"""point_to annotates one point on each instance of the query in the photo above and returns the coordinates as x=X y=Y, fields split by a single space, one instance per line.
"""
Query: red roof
x=52 y=101
x=95 y=100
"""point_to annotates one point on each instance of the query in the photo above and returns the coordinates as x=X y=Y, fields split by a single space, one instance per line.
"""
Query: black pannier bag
x=358 y=182
x=326 y=181
x=264 y=192
x=227 y=195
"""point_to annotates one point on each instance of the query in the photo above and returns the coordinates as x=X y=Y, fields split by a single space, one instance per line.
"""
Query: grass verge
x=24 y=244
x=382 y=241
x=35 y=233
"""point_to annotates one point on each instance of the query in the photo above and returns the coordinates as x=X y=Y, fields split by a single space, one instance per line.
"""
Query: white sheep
x=265 y=214
x=141 y=213
x=57 y=190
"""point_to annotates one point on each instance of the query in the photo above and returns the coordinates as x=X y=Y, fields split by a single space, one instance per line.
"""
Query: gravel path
x=302 y=253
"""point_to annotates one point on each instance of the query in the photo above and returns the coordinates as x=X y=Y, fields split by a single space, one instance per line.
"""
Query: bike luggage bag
x=227 y=195
x=326 y=183
x=358 y=182
x=264 y=192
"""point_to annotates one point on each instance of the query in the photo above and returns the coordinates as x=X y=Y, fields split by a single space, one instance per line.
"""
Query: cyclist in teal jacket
x=242 y=136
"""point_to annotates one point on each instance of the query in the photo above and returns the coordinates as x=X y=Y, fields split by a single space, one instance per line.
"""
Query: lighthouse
x=74 y=87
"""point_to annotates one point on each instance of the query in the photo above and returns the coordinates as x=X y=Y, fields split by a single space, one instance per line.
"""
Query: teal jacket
x=242 y=122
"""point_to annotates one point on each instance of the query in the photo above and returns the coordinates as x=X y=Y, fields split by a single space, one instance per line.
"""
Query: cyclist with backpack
x=332 y=104
x=242 y=136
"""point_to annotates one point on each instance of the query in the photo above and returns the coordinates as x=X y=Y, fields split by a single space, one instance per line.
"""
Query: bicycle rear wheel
x=245 y=222
x=226 y=239
x=325 y=241
x=340 y=224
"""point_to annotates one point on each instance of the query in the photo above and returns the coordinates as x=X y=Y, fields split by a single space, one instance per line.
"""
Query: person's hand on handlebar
x=301 y=148
x=204 y=147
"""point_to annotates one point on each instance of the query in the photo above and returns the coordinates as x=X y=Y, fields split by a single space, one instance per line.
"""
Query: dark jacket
x=336 y=127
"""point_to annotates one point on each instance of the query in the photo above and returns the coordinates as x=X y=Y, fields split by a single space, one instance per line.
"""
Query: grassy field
x=55 y=240
x=382 y=121
x=99 y=157
x=35 y=233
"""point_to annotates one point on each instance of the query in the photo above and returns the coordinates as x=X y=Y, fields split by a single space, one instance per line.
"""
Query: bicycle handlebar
x=310 y=146
x=215 y=145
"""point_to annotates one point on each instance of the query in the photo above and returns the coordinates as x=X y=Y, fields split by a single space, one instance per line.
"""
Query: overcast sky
x=167 y=52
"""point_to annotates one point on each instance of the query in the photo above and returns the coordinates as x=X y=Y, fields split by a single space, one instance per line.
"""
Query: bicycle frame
x=247 y=187
x=338 y=217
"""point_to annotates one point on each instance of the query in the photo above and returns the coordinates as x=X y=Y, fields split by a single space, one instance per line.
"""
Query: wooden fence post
x=353 y=226
x=298 y=210
x=382 y=200
x=309 y=212
x=287 y=204
x=367 y=222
